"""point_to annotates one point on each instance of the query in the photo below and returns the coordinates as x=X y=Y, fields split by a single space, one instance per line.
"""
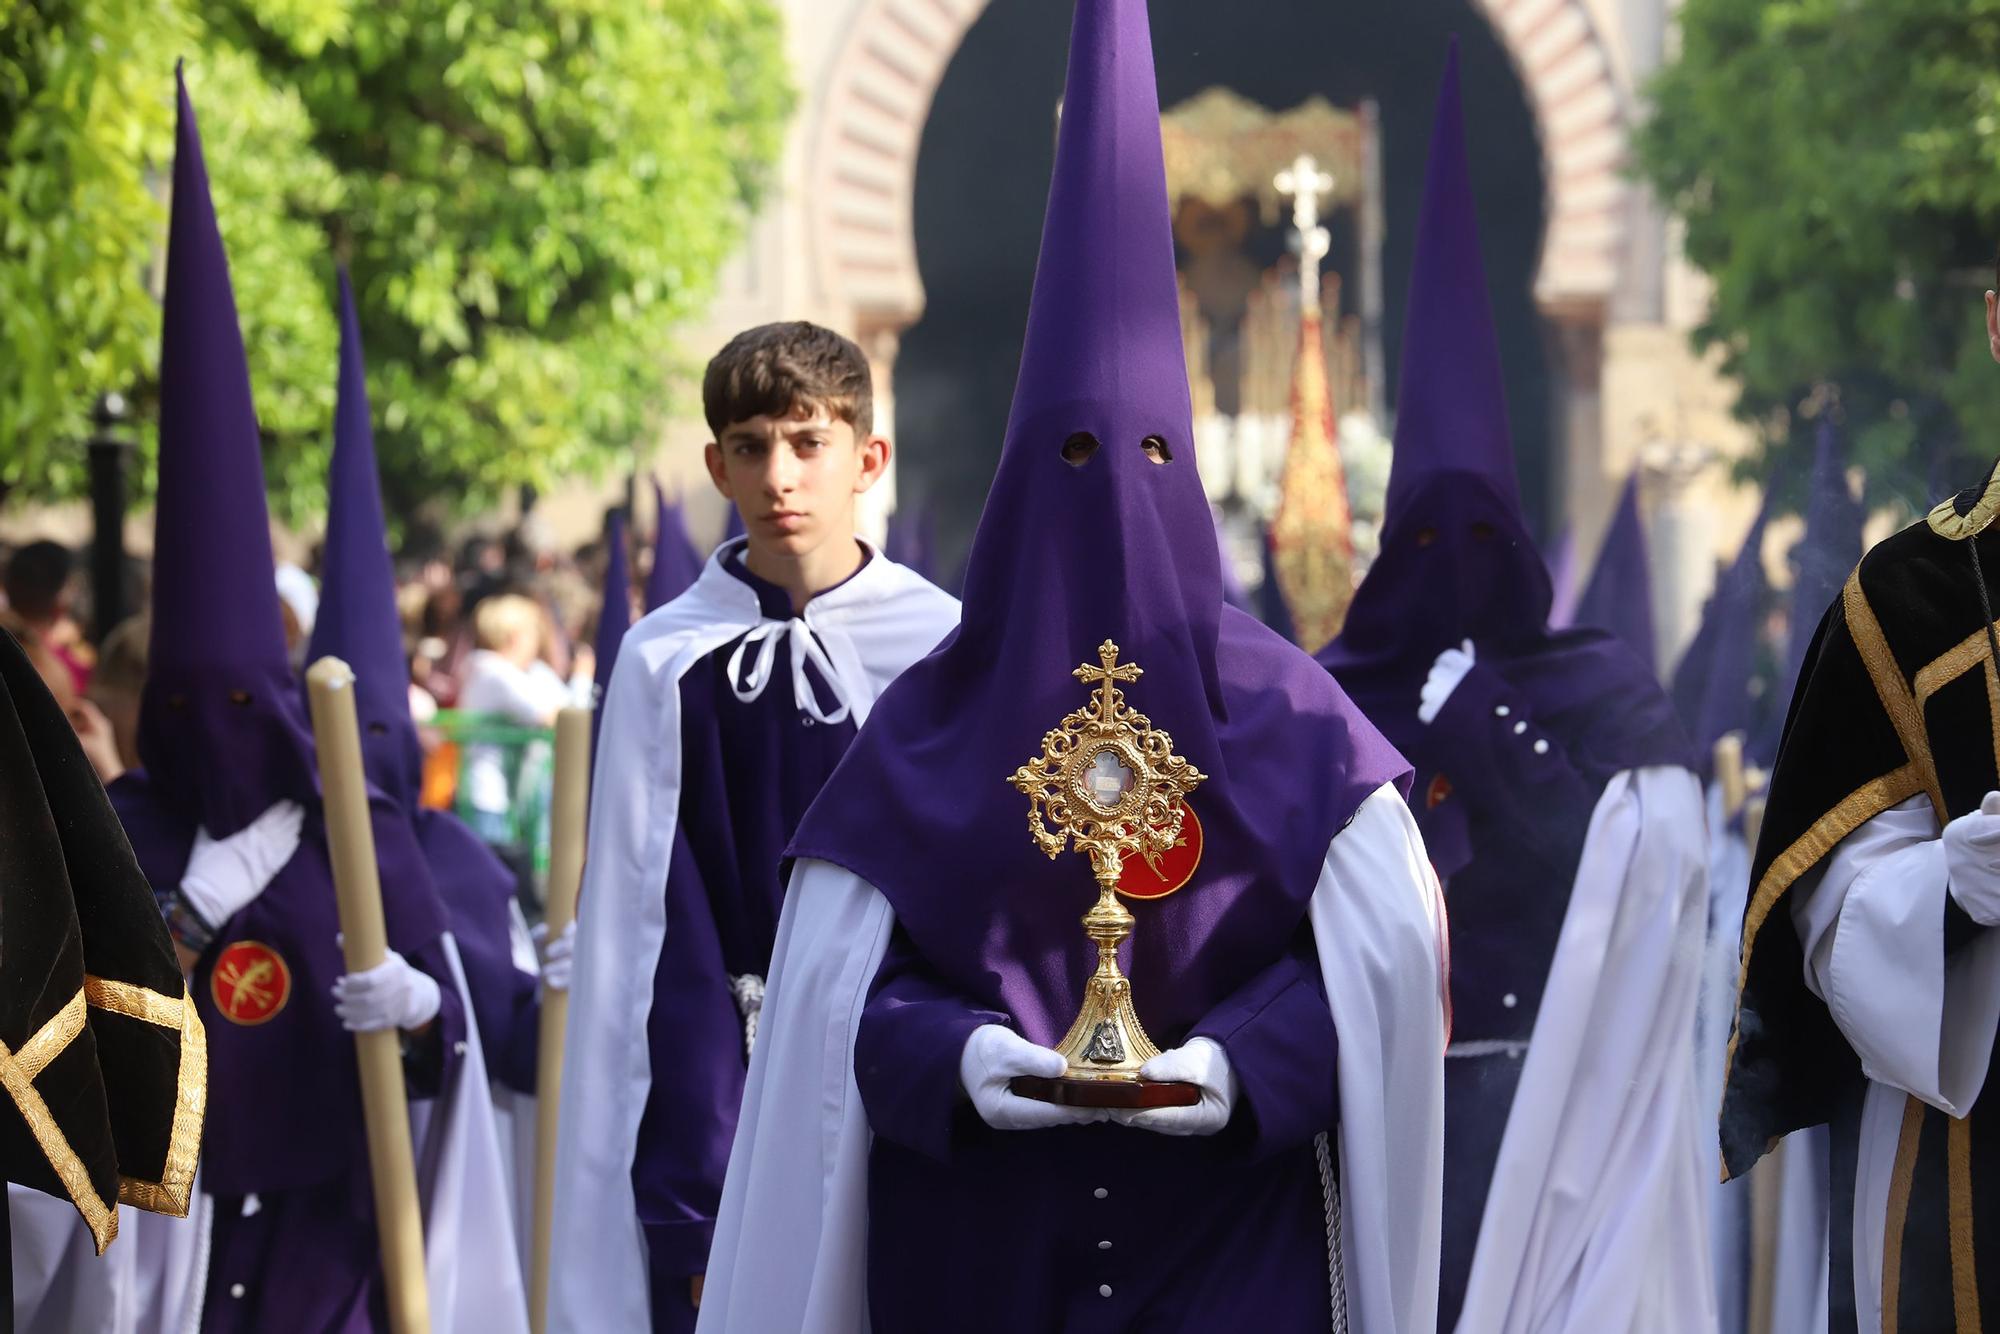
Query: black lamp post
x=110 y=458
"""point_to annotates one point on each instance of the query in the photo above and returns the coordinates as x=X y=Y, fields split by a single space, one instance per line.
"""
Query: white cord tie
x=805 y=649
x=748 y=989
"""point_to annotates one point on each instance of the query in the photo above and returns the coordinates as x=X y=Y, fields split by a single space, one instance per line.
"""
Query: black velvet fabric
x=73 y=901
x=1790 y=1060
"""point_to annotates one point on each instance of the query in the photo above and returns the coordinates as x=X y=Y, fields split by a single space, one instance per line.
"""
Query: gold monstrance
x=1108 y=781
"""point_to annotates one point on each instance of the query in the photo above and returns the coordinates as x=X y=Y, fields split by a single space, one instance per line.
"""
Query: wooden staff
x=566 y=829
x=1729 y=773
x=350 y=839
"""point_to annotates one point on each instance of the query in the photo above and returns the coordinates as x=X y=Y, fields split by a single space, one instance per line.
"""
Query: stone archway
x=862 y=162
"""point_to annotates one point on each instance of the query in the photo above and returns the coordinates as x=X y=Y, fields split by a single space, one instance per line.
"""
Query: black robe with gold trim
x=102 y=1058
x=1898 y=698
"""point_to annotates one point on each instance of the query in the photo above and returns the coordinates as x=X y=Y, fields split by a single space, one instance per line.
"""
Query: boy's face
x=794 y=479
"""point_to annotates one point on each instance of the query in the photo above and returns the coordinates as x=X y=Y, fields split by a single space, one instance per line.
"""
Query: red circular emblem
x=1435 y=794
x=1160 y=875
x=250 y=983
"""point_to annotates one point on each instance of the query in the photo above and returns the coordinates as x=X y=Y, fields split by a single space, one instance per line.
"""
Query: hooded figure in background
x=883 y=1176
x=1619 y=595
x=359 y=623
x=226 y=822
x=1554 y=794
x=676 y=563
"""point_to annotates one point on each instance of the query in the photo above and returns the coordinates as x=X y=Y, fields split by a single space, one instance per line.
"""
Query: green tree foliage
x=530 y=197
x=1838 y=168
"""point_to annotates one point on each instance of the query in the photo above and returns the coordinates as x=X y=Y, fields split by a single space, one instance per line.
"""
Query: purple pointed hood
x=1072 y=550
x=1457 y=561
x=676 y=564
x=1712 y=684
x=1619 y=596
x=358 y=621
x=222 y=729
x=1821 y=562
x=614 y=616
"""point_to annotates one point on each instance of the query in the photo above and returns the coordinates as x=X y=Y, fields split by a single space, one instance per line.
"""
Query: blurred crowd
x=500 y=627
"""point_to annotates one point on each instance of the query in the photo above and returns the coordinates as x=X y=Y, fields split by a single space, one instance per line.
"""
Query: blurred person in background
x=39 y=581
x=116 y=684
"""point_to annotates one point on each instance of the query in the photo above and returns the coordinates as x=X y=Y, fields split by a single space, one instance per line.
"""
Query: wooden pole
x=566 y=830
x=1729 y=773
x=357 y=884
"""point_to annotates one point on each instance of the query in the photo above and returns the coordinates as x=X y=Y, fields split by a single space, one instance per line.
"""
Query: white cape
x=1596 y=1222
x=152 y=1280
x=873 y=626
x=790 y=1247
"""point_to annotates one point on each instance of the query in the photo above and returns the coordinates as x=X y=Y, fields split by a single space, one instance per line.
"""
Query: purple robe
x=1193 y=1234
x=285 y=1118
x=749 y=771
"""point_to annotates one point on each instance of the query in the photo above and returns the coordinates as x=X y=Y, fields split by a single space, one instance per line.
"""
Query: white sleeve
x=1872 y=926
x=1378 y=924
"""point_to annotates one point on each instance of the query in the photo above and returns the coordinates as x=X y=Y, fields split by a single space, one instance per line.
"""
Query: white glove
x=392 y=994
x=993 y=1055
x=1972 y=861
x=558 y=955
x=1446 y=674
x=1202 y=1061
x=224 y=875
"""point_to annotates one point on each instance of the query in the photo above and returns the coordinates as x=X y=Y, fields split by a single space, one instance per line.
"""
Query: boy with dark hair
x=710 y=753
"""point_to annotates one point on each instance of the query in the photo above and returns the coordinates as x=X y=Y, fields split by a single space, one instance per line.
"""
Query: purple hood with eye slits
x=1066 y=556
x=1457 y=561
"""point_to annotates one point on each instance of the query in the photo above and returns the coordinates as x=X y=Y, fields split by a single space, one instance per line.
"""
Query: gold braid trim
x=1953 y=663
x=1898 y=1214
x=49 y=1041
x=170 y=1194
x=1945 y=520
x=1905 y=713
x=1964 y=1269
x=17 y=1076
x=1855 y=809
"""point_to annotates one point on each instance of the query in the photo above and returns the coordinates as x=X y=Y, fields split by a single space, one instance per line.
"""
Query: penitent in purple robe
x=1100 y=1227
x=223 y=736
x=750 y=768
x=1511 y=768
x=358 y=623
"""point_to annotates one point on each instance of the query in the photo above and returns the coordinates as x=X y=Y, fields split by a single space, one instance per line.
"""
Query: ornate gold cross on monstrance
x=1107 y=781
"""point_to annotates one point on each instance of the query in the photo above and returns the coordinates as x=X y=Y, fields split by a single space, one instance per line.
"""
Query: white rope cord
x=805 y=648
x=1492 y=1047
x=1336 y=1265
x=749 y=992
